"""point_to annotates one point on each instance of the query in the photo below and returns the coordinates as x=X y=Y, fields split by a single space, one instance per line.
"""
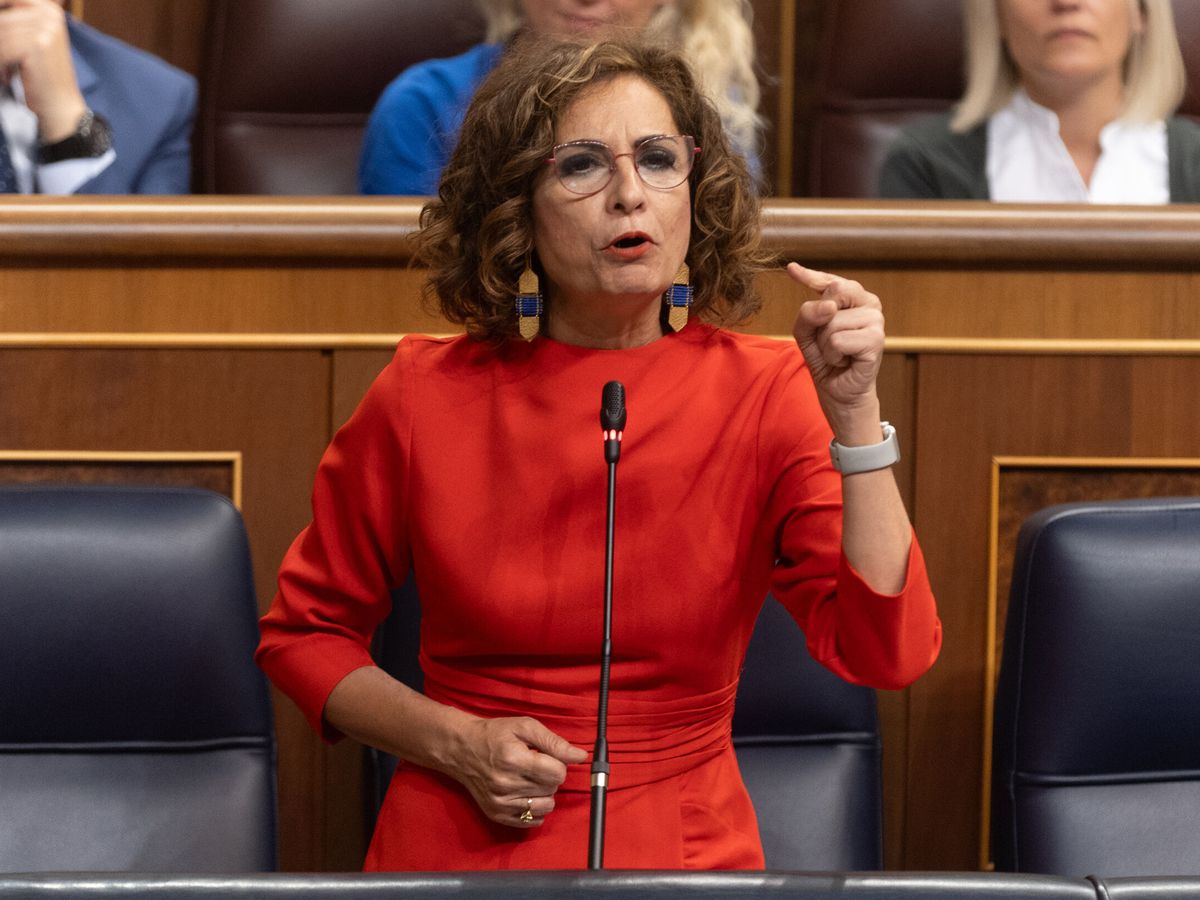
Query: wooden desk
x=1036 y=354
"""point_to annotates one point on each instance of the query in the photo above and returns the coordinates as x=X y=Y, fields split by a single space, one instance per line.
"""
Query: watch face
x=92 y=138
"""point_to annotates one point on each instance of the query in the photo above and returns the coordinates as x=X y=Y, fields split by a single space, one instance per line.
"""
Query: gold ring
x=527 y=816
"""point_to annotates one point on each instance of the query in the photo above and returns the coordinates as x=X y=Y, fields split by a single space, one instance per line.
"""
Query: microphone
x=612 y=424
x=612 y=419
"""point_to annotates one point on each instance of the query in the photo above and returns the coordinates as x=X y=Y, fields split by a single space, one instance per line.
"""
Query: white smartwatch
x=868 y=458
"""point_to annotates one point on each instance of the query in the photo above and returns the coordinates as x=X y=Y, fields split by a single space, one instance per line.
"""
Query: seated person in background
x=81 y=112
x=1067 y=101
x=594 y=224
x=414 y=126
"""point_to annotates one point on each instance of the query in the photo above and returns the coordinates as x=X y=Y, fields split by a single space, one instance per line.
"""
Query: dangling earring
x=679 y=298
x=529 y=304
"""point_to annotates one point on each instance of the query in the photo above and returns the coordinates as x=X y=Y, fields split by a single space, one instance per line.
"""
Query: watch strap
x=867 y=458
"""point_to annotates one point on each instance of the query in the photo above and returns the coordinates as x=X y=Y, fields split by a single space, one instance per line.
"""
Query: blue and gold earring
x=529 y=304
x=679 y=298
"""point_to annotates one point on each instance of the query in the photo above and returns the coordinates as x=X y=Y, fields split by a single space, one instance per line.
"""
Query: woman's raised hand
x=841 y=335
x=513 y=767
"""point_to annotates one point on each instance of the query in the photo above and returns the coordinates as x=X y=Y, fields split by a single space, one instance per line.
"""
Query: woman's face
x=624 y=243
x=1059 y=44
x=587 y=18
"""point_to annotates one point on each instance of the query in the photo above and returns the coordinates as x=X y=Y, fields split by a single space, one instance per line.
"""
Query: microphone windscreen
x=612 y=407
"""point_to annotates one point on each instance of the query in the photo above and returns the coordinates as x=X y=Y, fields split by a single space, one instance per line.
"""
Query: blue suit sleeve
x=150 y=106
x=401 y=152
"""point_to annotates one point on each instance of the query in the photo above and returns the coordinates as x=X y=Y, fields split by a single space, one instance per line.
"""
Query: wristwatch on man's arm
x=92 y=138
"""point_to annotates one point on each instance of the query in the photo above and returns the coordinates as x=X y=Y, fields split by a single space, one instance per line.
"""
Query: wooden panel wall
x=252 y=327
x=175 y=31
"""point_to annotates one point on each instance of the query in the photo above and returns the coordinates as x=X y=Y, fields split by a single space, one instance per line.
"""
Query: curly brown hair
x=477 y=235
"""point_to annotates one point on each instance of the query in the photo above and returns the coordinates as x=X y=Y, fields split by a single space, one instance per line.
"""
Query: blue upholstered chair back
x=135 y=729
x=807 y=743
x=808 y=746
x=1097 y=730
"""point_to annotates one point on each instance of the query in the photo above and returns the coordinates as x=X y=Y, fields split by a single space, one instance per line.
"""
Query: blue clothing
x=414 y=126
x=150 y=106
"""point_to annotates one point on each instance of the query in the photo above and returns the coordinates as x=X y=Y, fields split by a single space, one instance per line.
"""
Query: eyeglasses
x=662 y=161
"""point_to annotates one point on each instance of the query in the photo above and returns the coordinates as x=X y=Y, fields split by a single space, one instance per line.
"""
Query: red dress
x=482 y=469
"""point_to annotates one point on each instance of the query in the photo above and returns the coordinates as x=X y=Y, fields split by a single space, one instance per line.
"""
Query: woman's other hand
x=504 y=763
x=512 y=766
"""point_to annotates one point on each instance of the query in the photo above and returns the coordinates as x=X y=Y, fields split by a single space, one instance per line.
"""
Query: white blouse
x=1027 y=160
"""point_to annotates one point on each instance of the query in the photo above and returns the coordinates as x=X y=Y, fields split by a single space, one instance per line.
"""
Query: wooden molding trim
x=862 y=232
x=203 y=227
x=232 y=457
x=785 y=114
x=950 y=234
x=1044 y=346
x=199 y=341
x=382 y=341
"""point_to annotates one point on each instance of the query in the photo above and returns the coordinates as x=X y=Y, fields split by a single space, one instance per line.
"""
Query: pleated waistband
x=648 y=739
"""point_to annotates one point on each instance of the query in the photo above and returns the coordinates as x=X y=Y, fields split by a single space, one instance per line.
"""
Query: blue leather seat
x=808 y=746
x=807 y=743
x=1097 y=729
x=135 y=730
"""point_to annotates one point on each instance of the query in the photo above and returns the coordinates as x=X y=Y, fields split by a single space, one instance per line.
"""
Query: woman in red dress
x=585 y=179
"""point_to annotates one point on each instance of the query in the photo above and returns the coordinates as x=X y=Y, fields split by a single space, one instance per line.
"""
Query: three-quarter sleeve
x=336 y=580
x=867 y=637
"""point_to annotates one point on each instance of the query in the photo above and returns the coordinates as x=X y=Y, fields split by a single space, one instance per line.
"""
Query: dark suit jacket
x=150 y=106
x=930 y=162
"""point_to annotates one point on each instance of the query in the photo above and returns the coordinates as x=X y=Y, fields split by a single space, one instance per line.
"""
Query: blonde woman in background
x=1067 y=101
x=414 y=126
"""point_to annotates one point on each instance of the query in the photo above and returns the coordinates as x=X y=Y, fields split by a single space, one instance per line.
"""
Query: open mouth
x=629 y=241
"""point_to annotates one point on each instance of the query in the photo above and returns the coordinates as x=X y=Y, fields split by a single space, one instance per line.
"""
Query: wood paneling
x=238 y=267
x=175 y=31
x=239 y=325
x=800 y=66
x=972 y=409
x=353 y=374
x=897 y=400
x=217 y=472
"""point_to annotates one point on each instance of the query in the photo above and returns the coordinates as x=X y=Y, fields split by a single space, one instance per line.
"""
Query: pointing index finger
x=811 y=278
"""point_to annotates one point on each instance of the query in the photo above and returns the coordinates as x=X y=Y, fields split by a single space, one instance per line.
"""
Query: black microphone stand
x=612 y=421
